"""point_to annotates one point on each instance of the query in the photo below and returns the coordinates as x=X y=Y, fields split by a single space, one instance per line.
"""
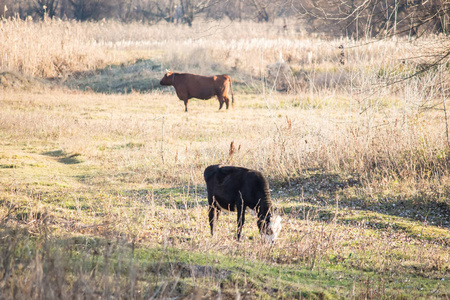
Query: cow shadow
x=426 y=210
x=65 y=158
x=316 y=197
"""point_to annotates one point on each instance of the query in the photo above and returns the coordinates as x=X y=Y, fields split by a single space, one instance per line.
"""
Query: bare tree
x=359 y=18
x=79 y=9
x=192 y=8
x=21 y=8
x=46 y=8
x=165 y=10
x=62 y=8
x=261 y=10
x=93 y=9
x=183 y=11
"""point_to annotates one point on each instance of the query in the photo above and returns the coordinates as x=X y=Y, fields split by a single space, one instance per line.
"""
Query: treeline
x=355 y=18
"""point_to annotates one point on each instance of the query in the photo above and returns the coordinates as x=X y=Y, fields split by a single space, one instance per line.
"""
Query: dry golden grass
x=104 y=192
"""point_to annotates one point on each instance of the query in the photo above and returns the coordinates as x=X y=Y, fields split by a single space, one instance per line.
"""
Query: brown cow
x=190 y=86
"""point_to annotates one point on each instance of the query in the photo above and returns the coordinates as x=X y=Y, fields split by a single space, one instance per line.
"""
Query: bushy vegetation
x=101 y=170
x=350 y=18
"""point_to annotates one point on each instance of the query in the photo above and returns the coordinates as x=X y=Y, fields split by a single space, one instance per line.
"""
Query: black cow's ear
x=223 y=172
x=260 y=225
x=226 y=170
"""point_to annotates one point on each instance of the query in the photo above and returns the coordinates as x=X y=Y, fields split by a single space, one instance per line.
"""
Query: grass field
x=101 y=170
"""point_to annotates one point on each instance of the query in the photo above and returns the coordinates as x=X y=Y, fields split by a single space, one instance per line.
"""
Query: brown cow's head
x=167 y=79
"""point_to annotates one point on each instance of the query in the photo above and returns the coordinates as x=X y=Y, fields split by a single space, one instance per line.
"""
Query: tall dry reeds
x=47 y=49
x=52 y=47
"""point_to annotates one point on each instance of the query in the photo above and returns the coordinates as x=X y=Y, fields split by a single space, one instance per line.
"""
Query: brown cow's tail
x=232 y=97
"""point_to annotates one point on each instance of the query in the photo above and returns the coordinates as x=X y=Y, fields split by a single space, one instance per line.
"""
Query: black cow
x=235 y=189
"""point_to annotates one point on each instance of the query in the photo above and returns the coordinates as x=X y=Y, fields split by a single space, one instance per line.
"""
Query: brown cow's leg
x=227 y=101
x=220 y=101
x=186 y=105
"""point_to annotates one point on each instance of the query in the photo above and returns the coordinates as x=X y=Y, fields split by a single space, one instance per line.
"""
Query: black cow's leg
x=186 y=105
x=240 y=219
x=213 y=214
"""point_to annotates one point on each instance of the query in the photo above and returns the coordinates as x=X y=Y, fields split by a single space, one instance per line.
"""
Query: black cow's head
x=270 y=228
